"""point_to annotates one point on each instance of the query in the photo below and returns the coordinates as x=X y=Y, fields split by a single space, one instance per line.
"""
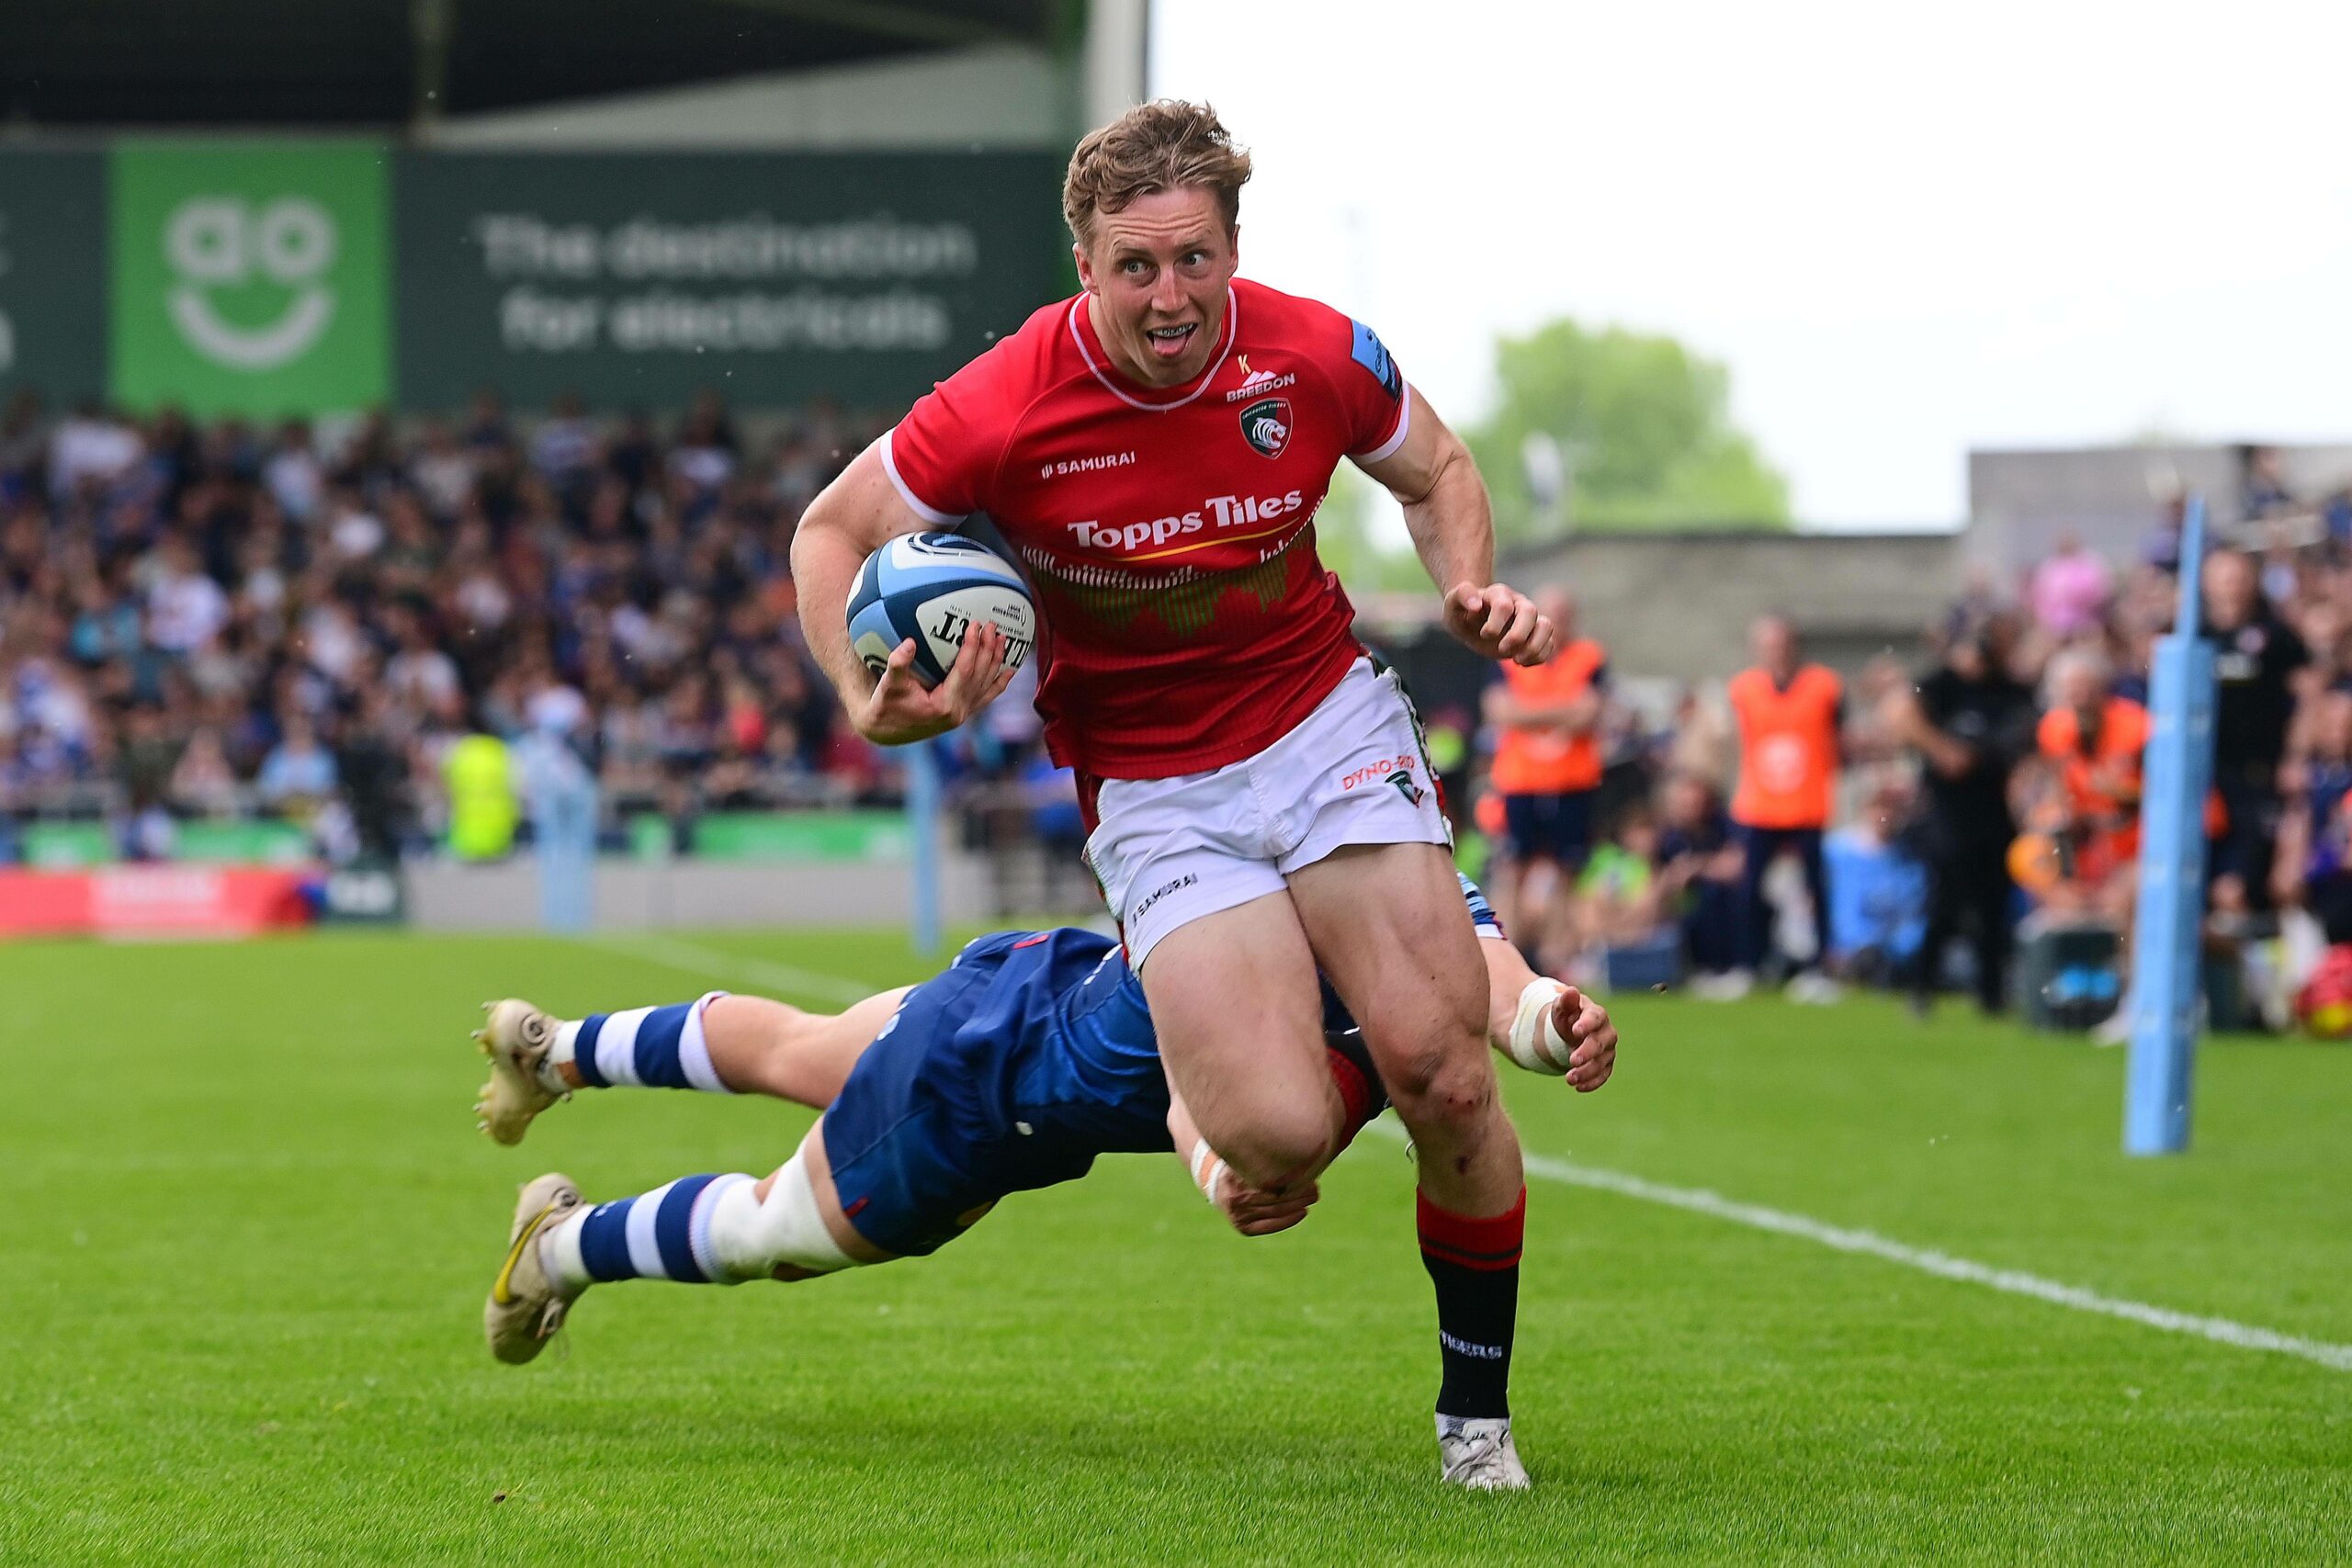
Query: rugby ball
x=934 y=588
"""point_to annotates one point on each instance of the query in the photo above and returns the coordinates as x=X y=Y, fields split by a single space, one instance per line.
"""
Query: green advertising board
x=780 y=835
x=250 y=276
x=52 y=273
x=54 y=845
x=315 y=275
x=641 y=278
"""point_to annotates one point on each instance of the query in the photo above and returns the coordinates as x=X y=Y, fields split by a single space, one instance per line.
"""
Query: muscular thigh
x=1387 y=925
x=767 y=1047
x=1240 y=1017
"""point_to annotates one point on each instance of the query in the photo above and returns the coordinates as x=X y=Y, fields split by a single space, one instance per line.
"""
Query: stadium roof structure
x=388 y=64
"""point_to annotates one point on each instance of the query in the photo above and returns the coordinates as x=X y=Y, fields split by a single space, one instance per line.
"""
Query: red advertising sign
x=153 y=900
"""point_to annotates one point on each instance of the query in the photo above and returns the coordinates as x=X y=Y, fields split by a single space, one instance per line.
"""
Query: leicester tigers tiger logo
x=1265 y=424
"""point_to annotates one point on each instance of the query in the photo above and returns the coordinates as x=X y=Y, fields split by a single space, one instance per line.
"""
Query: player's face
x=1158 y=270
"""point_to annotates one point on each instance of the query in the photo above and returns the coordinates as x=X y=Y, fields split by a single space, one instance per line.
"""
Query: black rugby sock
x=1473 y=1263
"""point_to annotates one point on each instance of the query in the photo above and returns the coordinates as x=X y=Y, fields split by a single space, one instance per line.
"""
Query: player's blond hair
x=1167 y=145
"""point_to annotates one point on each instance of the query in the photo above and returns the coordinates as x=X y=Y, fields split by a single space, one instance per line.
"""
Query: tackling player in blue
x=1013 y=1070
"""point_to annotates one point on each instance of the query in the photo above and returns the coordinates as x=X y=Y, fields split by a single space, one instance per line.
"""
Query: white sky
x=1908 y=229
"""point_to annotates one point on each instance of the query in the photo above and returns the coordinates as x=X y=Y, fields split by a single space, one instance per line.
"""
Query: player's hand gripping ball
x=934 y=588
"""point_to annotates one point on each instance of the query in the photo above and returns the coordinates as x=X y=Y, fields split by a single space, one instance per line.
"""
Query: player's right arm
x=934 y=468
x=855 y=516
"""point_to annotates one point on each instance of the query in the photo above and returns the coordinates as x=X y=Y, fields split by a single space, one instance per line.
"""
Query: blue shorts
x=1549 y=827
x=917 y=1155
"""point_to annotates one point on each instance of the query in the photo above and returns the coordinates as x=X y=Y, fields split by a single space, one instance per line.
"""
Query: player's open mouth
x=1169 y=342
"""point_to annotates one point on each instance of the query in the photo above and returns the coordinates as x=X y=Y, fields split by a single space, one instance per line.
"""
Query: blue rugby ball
x=934 y=588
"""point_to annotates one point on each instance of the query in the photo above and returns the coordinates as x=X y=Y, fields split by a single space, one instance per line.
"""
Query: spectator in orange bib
x=2081 y=798
x=1791 y=717
x=2095 y=742
x=1546 y=719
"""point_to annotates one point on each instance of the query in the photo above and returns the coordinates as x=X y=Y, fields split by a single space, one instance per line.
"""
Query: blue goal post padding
x=2166 y=938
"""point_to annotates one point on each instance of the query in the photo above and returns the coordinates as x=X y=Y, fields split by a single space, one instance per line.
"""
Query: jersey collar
x=1134 y=393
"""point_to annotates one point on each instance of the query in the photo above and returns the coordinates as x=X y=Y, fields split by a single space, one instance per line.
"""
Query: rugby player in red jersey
x=1154 y=450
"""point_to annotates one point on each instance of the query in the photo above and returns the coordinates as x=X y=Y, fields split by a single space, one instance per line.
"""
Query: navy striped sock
x=645 y=1048
x=661 y=1234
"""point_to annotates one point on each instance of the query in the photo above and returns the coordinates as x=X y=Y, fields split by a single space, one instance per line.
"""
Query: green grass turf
x=249 y=1224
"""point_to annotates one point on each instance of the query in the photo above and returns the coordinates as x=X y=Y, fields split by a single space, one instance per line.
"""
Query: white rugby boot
x=517 y=1039
x=1479 y=1455
x=526 y=1307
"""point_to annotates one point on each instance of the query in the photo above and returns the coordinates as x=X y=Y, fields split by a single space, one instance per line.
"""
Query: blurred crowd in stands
x=224 y=620
x=1802 y=828
x=308 y=625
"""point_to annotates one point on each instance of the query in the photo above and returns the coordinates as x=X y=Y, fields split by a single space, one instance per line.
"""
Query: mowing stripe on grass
x=694 y=959
x=1698 y=1201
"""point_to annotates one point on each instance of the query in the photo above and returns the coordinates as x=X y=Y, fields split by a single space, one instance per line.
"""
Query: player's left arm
x=1540 y=1022
x=1433 y=476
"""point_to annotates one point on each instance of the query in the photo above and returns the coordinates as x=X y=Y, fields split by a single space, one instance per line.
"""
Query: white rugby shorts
x=1169 y=851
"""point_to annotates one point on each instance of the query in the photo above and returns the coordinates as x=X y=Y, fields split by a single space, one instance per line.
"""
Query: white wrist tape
x=1208 y=1170
x=1535 y=1041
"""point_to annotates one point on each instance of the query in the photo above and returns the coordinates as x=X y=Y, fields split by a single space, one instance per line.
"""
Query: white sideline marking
x=1698 y=1201
x=694 y=959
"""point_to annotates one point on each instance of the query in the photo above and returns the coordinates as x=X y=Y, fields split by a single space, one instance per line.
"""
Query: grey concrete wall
x=2020 y=501
x=1679 y=606
x=634 y=895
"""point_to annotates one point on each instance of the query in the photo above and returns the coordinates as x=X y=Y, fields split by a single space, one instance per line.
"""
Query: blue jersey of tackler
x=1060 y=1037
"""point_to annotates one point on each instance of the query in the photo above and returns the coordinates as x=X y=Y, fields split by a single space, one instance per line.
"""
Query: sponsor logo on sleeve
x=1372 y=354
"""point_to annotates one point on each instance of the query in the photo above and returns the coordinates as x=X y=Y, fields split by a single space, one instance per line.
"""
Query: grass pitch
x=250 y=1223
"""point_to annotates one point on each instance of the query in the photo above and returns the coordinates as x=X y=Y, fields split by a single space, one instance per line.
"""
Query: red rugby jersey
x=1168 y=531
